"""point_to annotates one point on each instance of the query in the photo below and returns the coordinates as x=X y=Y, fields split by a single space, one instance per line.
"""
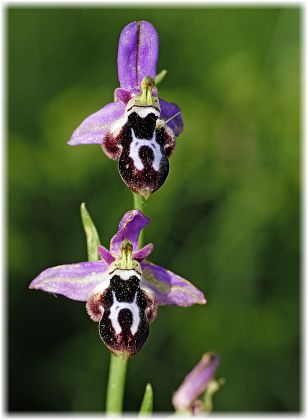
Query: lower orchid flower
x=122 y=289
x=138 y=129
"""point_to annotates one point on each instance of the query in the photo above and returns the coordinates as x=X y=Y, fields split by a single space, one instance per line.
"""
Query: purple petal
x=105 y=254
x=169 y=288
x=130 y=227
x=122 y=95
x=196 y=382
x=93 y=129
x=137 y=54
x=143 y=252
x=75 y=281
x=171 y=112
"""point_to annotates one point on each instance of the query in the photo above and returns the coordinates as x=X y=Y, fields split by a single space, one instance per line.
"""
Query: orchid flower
x=122 y=289
x=138 y=129
x=195 y=393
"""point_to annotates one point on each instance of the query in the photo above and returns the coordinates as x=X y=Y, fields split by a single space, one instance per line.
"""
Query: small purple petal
x=196 y=382
x=143 y=252
x=75 y=281
x=171 y=112
x=94 y=128
x=169 y=288
x=130 y=227
x=105 y=254
x=137 y=54
x=122 y=95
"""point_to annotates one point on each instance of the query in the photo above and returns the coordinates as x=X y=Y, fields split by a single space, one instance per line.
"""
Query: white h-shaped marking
x=116 y=308
x=152 y=144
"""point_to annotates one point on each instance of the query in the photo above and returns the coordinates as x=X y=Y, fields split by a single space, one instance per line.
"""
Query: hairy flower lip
x=78 y=281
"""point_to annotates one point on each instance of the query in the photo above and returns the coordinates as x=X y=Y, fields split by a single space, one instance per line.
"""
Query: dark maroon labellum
x=143 y=164
x=142 y=145
x=124 y=326
x=142 y=142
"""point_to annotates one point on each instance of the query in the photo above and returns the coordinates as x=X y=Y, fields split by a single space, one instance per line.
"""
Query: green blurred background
x=227 y=217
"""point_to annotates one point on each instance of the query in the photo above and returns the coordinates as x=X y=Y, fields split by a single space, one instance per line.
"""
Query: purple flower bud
x=138 y=129
x=195 y=384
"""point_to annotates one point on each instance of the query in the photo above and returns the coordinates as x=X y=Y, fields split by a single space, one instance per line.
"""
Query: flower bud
x=195 y=384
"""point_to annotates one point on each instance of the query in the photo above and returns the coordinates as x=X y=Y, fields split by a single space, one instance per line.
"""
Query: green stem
x=138 y=202
x=116 y=384
x=118 y=366
x=139 y=205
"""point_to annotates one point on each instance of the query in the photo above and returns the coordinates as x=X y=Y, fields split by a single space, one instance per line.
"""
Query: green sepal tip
x=160 y=76
x=146 y=408
x=91 y=233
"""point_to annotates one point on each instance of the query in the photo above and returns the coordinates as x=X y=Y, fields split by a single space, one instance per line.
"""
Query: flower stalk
x=139 y=202
x=116 y=385
x=138 y=205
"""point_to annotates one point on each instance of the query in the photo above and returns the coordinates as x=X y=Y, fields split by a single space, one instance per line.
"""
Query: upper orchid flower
x=138 y=129
x=122 y=290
